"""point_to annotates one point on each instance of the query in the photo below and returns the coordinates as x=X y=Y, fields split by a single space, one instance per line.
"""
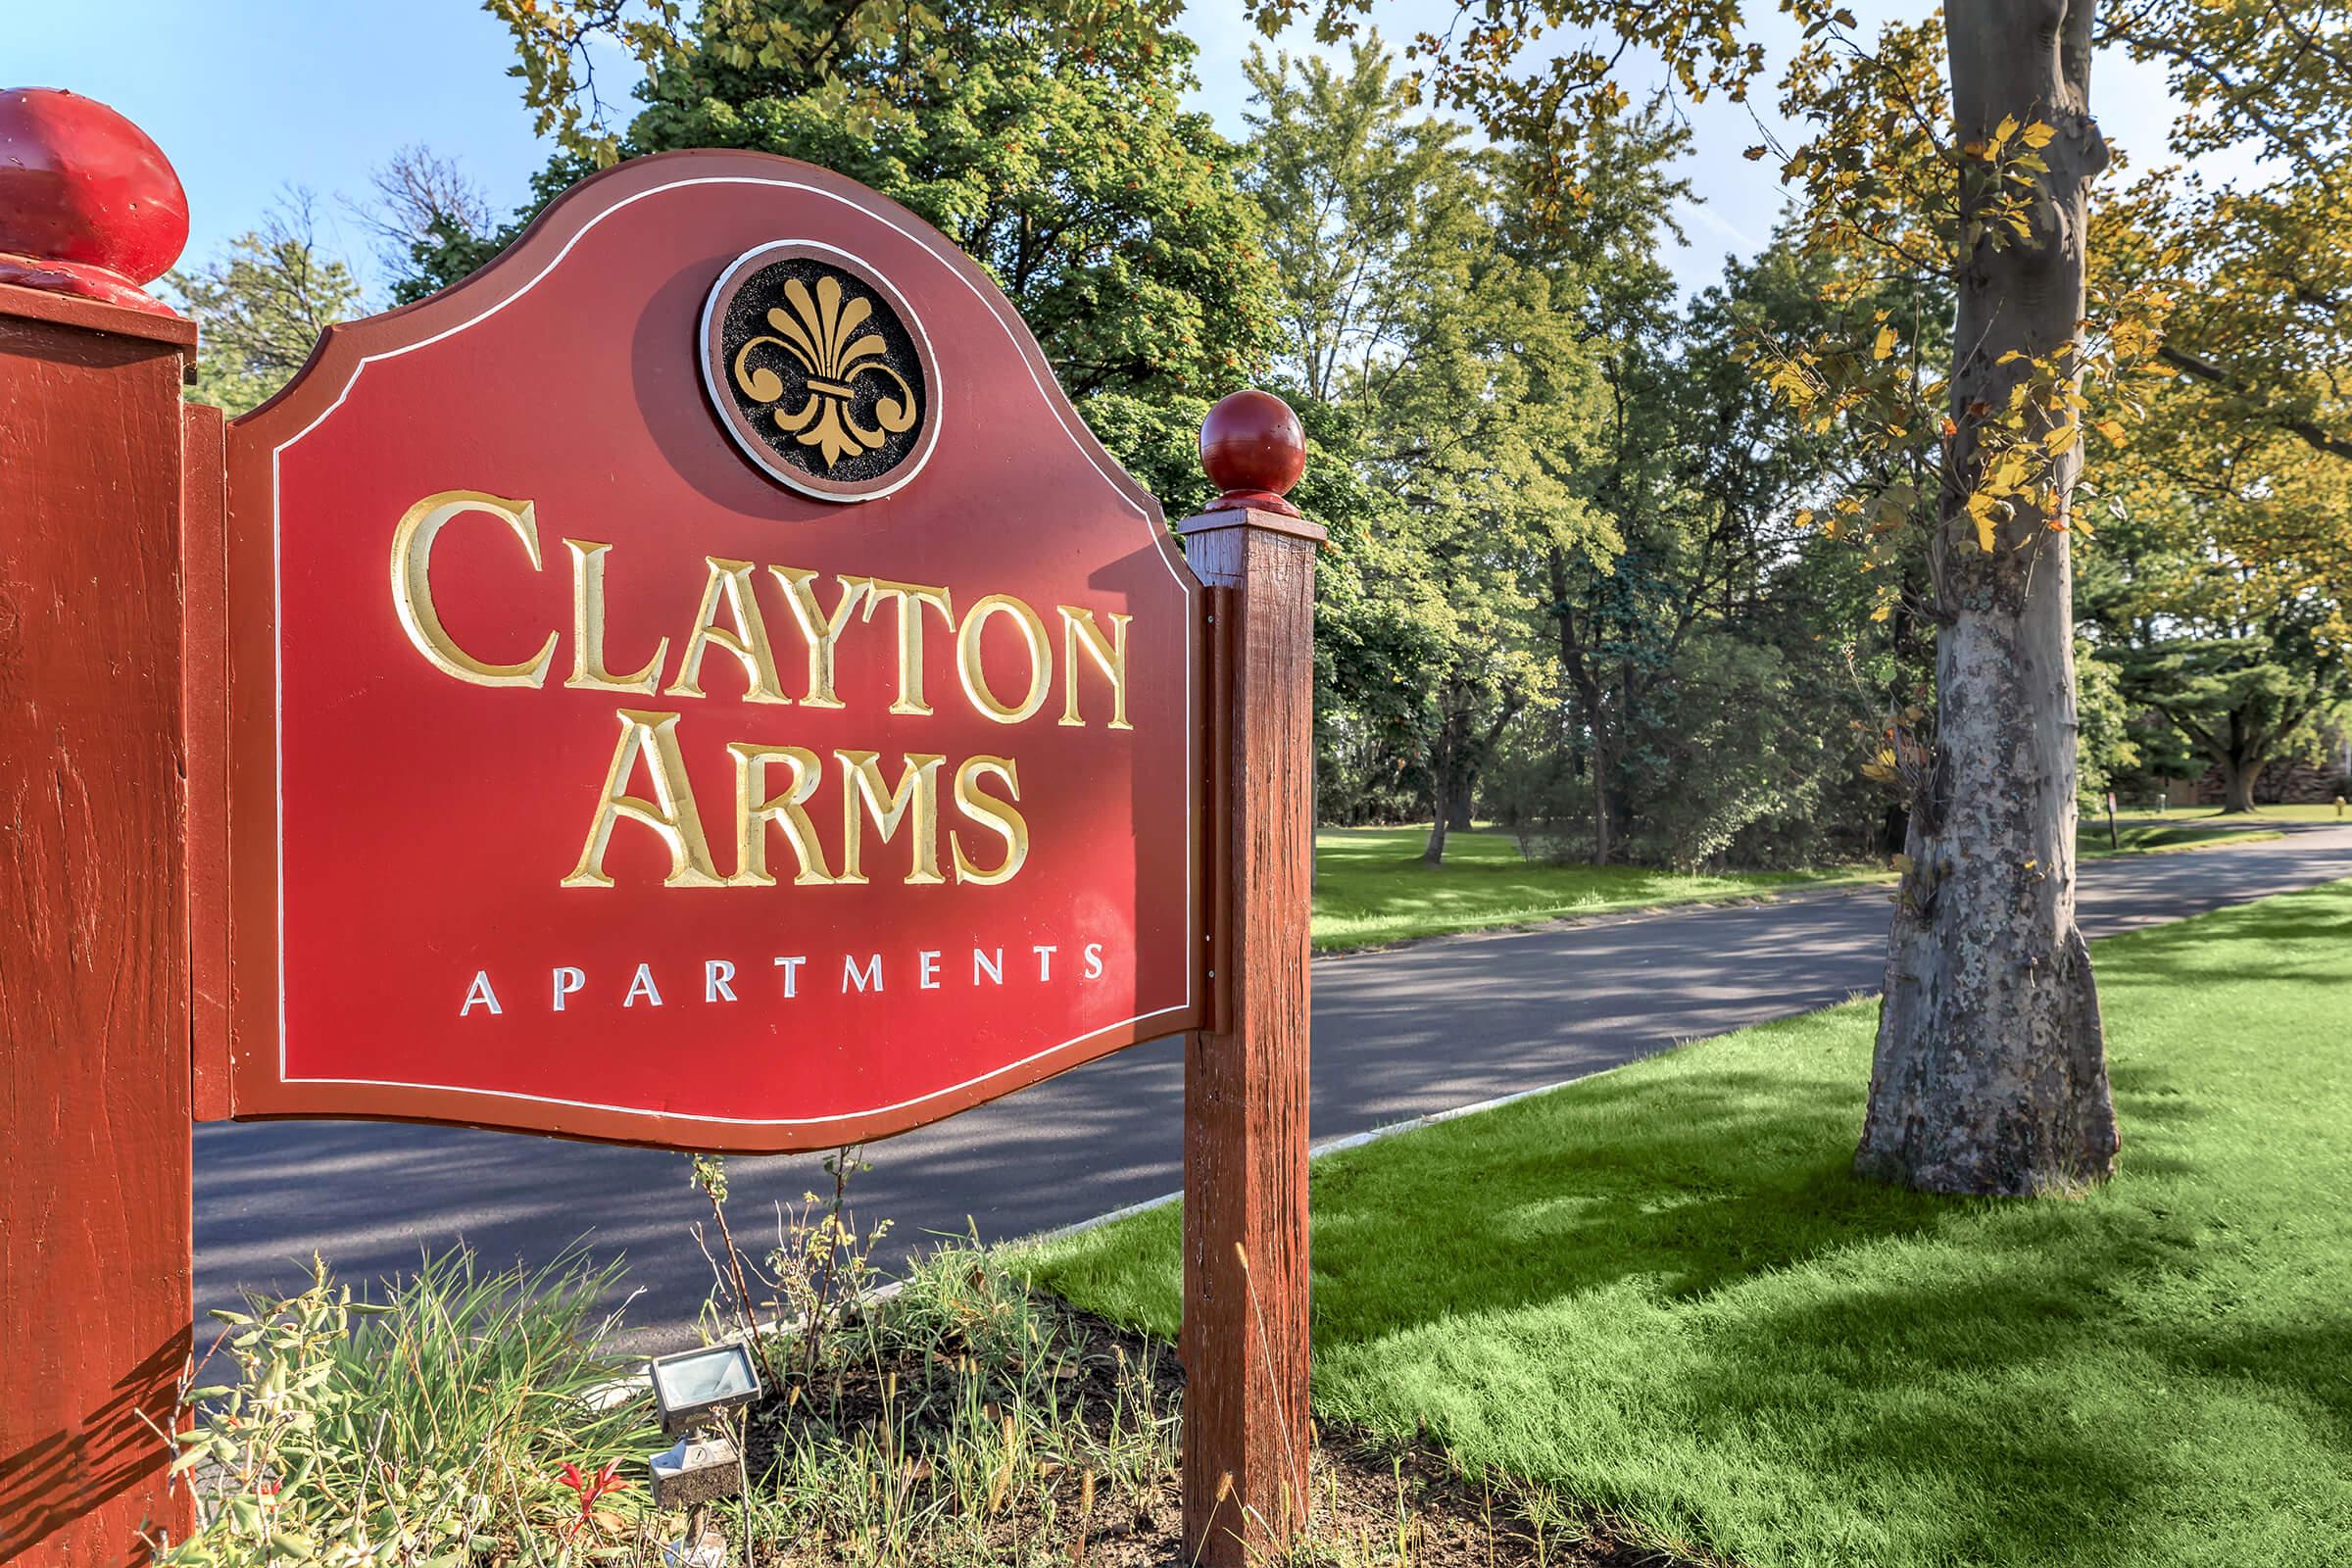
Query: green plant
x=432 y=1426
x=960 y=1420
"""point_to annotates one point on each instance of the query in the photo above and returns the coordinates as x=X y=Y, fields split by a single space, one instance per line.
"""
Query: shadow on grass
x=1664 y=1292
x=1542 y=1204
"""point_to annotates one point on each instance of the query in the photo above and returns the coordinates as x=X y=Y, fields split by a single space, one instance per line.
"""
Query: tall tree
x=1464 y=367
x=1985 y=954
x=2224 y=586
x=1609 y=627
x=1990 y=1074
x=420 y=202
x=1046 y=139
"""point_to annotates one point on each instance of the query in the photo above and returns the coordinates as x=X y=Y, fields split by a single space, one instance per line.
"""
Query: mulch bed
x=1375 y=1501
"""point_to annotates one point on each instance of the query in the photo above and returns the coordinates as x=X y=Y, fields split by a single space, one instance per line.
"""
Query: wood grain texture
x=94 y=1148
x=1244 y=1335
x=204 y=697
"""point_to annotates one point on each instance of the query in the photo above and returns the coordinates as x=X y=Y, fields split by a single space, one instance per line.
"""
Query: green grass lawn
x=2214 y=814
x=2147 y=835
x=1661 y=1292
x=1371 y=886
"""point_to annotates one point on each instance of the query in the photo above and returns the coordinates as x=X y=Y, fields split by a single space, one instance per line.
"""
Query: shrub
x=432 y=1426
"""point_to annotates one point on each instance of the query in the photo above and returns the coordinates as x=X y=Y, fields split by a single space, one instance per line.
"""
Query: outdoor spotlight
x=691 y=1390
x=693 y=1386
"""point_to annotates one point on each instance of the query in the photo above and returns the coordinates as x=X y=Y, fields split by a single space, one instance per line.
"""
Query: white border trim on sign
x=278 y=690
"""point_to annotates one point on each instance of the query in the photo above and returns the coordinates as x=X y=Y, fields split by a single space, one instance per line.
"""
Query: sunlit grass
x=2214 y=814
x=1371 y=887
x=2148 y=836
x=1663 y=1293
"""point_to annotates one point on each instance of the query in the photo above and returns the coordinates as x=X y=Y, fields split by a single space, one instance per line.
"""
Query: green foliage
x=962 y=1421
x=2223 y=606
x=1045 y=141
x=429 y=1428
x=2105 y=749
x=1734 y=741
x=261 y=307
x=1465 y=370
x=2259 y=268
x=2247 y=700
x=1671 y=1296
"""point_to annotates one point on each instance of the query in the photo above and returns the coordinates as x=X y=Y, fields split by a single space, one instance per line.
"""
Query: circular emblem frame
x=820 y=371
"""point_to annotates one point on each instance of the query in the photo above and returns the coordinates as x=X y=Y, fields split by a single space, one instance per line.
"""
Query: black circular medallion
x=819 y=371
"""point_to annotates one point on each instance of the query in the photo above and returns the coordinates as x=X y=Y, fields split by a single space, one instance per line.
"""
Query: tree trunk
x=1588 y=691
x=1990 y=1072
x=1601 y=784
x=1440 y=788
x=1892 y=830
x=1457 y=815
x=2237 y=784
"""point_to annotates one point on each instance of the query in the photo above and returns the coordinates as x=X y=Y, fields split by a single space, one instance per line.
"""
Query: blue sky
x=251 y=96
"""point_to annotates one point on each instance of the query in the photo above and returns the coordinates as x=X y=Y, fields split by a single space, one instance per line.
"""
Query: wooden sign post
x=697 y=682
x=94 y=1149
x=1245 y=1077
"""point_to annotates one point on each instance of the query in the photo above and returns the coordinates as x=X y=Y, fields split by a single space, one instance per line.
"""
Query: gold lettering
x=413 y=585
x=862 y=792
x=588 y=671
x=912 y=598
x=1109 y=654
x=788 y=812
x=819 y=630
x=975 y=679
x=1000 y=817
x=747 y=642
x=670 y=813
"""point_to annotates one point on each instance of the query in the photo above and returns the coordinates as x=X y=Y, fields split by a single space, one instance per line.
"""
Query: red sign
x=698 y=682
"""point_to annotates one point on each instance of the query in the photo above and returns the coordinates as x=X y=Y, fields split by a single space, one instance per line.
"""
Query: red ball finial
x=1254 y=451
x=88 y=203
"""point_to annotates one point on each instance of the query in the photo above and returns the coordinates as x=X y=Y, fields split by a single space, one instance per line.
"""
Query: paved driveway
x=1397 y=1034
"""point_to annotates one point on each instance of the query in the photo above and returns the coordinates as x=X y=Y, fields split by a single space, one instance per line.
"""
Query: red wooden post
x=94 y=1152
x=1245 y=1338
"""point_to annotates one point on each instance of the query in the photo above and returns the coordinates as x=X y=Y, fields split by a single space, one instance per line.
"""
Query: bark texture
x=2237 y=785
x=1990 y=1072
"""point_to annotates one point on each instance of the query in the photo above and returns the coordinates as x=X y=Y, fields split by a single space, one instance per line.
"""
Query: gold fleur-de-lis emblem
x=835 y=348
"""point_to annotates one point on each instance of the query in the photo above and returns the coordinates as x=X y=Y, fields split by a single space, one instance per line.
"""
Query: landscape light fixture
x=692 y=1389
x=694 y=1386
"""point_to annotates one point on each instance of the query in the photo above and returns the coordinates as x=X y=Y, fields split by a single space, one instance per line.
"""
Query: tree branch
x=2309 y=431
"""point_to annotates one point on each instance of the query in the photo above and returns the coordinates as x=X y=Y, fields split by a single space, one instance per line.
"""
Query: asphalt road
x=1397 y=1034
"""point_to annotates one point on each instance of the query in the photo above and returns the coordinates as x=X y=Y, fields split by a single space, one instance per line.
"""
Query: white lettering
x=568 y=981
x=479 y=995
x=995 y=966
x=643 y=986
x=1045 y=961
x=791 y=970
x=870 y=979
x=927 y=970
x=1093 y=960
x=718 y=976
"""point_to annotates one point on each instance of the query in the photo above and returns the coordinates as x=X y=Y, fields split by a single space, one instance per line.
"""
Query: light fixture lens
x=699 y=1379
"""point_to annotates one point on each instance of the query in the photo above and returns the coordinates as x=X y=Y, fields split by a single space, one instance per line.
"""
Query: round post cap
x=1253 y=450
x=89 y=205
